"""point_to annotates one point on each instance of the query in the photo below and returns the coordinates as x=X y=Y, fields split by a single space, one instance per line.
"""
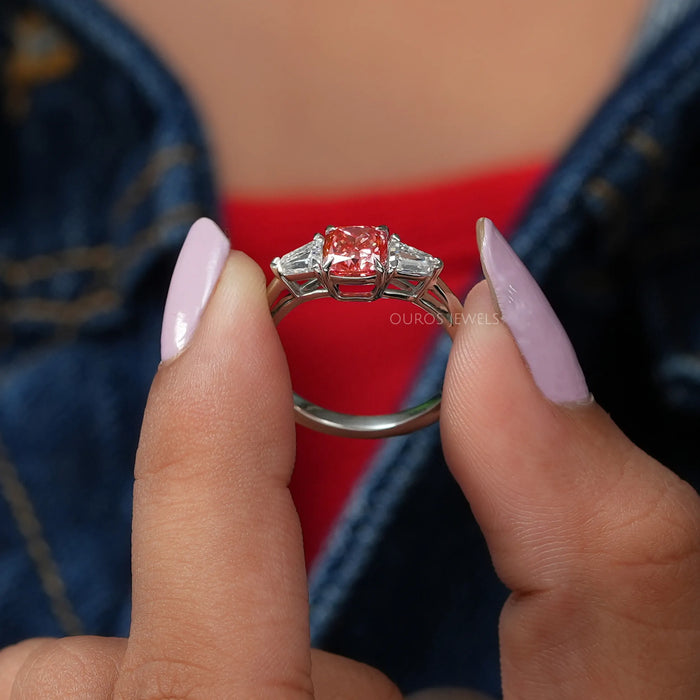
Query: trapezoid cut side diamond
x=413 y=262
x=303 y=260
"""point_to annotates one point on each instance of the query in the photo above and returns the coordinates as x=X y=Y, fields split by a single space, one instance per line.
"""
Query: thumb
x=599 y=543
x=220 y=601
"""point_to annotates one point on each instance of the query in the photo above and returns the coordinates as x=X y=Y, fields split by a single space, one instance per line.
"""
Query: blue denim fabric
x=661 y=17
x=103 y=168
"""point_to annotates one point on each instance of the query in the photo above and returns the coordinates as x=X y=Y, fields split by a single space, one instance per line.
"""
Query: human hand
x=220 y=601
x=598 y=542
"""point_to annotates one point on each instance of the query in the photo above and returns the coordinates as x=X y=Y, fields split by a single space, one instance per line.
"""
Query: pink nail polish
x=197 y=270
x=537 y=331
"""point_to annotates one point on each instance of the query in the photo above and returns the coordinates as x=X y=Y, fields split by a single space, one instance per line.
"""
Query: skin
x=599 y=543
x=323 y=97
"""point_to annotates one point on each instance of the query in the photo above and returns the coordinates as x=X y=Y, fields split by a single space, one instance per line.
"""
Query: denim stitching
x=157 y=166
x=610 y=195
x=38 y=548
x=538 y=235
x=61 y=312
x=646 y=145
x=19 y=273
x=93 y=303
x=184 y=213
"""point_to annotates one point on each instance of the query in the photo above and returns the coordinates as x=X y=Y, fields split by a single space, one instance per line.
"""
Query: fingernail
x=537 y=331
x=197 y=270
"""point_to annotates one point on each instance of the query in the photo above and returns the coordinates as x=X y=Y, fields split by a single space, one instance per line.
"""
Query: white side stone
x=303 y=260
x=414 y=262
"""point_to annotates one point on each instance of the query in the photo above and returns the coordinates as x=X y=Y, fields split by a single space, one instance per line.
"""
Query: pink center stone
x=354 y=250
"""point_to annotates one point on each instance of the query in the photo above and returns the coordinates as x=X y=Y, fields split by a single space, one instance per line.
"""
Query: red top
x=363 y=358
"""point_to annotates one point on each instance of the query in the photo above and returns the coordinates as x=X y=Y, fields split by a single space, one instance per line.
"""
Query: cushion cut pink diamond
x=354 y=251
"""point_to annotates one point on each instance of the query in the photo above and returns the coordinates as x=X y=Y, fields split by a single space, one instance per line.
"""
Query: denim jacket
x=104 y=167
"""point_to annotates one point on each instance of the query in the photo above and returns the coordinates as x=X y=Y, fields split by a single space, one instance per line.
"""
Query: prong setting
x=307 y=273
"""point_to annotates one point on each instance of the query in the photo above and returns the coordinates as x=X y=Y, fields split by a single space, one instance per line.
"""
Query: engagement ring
x=362 y=263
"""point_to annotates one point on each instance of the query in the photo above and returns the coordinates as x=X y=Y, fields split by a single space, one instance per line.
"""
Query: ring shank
x=282 y=301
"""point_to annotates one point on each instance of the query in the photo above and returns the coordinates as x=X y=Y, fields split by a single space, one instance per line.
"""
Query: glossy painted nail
x=197 y=270
x=537 y=331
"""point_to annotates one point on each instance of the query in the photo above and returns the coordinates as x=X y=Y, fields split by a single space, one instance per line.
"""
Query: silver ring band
x=362 y=263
